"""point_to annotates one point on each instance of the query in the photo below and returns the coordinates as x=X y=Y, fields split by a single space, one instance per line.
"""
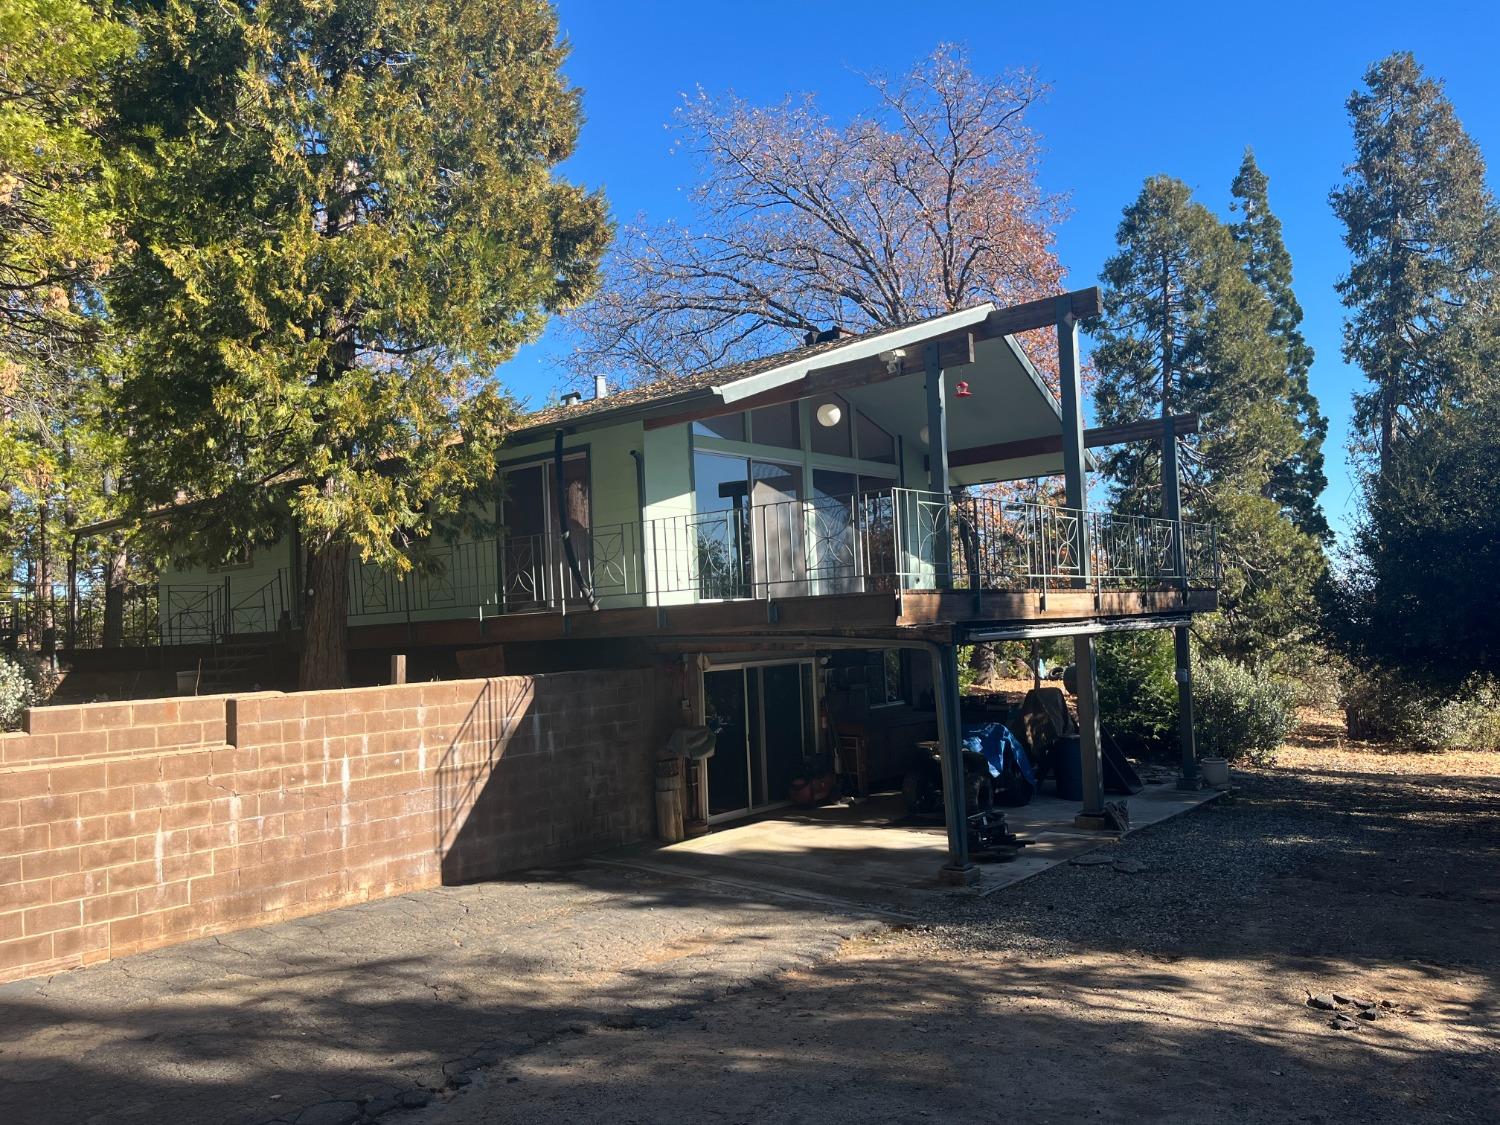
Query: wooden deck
x=929 y=615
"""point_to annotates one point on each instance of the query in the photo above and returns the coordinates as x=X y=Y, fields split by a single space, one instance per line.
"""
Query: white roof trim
x=862 y=348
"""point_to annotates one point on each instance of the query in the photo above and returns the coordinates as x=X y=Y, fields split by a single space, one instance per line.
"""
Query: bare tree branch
x=926 y=203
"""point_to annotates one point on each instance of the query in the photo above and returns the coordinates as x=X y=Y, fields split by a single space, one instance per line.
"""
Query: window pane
x=575 y=492
x=776 y=425
x=835 y=439
x=525 y=511
x=708 y=549
x=720 y=480
x=834 y=554
x=874 y=443
x=728 y=426
x=830 y=484
x=891 y=666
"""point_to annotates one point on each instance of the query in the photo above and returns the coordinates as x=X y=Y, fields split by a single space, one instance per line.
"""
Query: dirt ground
x=1169 y=984
x=1161 y=978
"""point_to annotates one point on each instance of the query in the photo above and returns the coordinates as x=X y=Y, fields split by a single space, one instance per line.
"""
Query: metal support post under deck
x=937 y=463
x=1171 y=505
x=959 y=868
x=1092 y=815
x=1076 y=483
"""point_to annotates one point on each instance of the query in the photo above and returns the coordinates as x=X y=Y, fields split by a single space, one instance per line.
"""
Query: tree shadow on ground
x=1044 y=1000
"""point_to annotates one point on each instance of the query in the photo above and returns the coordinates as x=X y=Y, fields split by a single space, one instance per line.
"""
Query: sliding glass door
x=748 y=531
x=766 y=723
x=534 y=573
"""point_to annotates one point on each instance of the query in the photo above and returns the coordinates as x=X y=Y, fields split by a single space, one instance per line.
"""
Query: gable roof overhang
x=981 y=336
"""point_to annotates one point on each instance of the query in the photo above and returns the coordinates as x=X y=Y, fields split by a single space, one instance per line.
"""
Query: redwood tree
x=1185 y=328
x=1297 y=482
x=1421 y=227
x=1417 y=597
x=344 y=216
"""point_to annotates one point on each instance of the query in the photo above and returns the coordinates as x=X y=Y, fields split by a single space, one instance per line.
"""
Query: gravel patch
x=1321 y=945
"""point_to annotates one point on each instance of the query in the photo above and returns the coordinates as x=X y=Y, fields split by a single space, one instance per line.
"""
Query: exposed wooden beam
x=1042 y=313
x=1148 y=429
x=954 y=351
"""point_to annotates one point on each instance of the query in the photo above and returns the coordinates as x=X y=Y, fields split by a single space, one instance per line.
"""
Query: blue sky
x=1137 y=89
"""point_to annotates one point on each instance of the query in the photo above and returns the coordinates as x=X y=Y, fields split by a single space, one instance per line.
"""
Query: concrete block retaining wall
x=125 y=826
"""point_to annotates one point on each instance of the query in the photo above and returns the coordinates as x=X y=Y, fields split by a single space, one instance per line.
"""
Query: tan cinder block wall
x=125 y=826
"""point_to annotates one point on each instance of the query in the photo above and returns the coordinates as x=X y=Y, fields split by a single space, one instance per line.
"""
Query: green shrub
x=1386 y=706
x=1240 y=713
x=968 y=676
x=1137 y=686
x=23 y=683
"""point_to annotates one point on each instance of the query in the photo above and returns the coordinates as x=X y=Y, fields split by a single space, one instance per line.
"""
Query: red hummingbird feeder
x=962 y=390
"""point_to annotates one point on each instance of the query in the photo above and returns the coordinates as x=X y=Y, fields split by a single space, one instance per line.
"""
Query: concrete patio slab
x=871 y=856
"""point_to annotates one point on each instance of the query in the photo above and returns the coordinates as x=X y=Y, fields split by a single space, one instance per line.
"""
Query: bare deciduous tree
x=926 y=203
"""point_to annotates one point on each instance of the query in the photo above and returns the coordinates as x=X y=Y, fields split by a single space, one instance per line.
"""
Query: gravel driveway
x=1165 y=979
x=1168 y=985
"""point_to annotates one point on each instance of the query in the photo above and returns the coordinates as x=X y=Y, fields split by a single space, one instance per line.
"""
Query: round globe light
x=922 y=434
x=829 y=414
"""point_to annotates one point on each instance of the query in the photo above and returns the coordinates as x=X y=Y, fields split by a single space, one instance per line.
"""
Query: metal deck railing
x=891 y=539
x=881 y=540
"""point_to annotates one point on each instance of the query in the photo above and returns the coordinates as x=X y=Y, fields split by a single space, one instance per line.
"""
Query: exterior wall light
x=922 y=435
x=829 y=414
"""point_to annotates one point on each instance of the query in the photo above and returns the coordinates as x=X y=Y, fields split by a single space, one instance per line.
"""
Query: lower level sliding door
x=765 y=720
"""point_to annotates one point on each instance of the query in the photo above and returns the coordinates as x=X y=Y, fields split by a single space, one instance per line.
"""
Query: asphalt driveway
x=351 y=1014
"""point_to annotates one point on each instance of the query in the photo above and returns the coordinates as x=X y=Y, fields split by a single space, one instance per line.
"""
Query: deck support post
x=937 y=465
x=1092 y=814
x=1075 y=479
x=960 y=868
x=1171 y=509
x=1076 y=482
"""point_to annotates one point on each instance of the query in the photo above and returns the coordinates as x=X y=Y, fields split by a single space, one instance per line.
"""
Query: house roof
x=740 y=380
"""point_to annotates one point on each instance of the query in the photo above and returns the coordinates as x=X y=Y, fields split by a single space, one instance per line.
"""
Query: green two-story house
x=812 y=534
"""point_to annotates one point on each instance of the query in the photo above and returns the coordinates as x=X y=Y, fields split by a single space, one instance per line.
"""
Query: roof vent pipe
x=572 y=398
x=601 y=387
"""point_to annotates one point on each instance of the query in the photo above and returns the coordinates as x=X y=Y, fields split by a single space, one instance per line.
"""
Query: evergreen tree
x=344 y=217
x=57 y=235
x=1421 y=227
x=1184 y=329
x=1418 y=596
x=1297 y=483
x=55 y=229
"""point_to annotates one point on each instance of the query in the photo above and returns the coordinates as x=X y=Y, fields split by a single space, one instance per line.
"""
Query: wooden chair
x=854 y=756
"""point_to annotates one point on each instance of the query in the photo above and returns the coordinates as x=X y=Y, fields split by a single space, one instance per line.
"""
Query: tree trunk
x=325 y=627
x=982 y=662
x=46 y=623
x=113 y=633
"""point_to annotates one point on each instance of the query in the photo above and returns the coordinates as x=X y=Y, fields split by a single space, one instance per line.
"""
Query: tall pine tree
x=1423 y=291
x=345 y=216
x=1299 y=481
x=1420 y=225
x=1184 y=329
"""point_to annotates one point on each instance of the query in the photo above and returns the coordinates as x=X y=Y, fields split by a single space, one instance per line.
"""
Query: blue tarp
x=1009 y=765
